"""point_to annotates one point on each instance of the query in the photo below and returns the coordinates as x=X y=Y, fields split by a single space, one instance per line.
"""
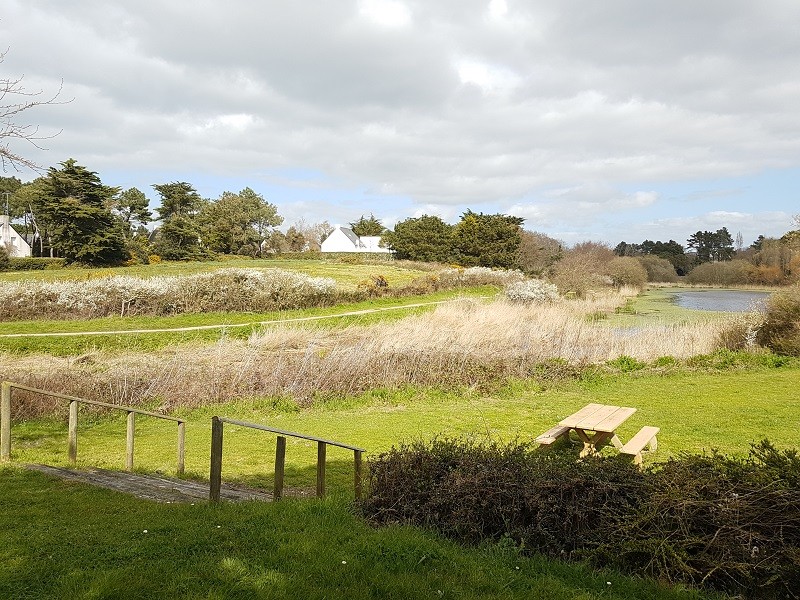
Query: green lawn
x=695 y=411
x=70 y=541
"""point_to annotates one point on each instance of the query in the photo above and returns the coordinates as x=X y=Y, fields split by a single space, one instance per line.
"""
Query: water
x=722 y=300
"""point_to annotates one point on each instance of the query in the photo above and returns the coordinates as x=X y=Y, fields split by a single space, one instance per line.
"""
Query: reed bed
x=462 y=343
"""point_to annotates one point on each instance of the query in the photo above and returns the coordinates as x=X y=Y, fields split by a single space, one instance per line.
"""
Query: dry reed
x=461 y=343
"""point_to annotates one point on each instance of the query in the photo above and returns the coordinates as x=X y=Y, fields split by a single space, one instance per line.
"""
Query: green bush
x=709 y=520
x=780 y=331
x=5 y=259
x=36 y=264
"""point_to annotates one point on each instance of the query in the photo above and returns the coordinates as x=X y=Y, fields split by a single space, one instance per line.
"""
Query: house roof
x=351 y=236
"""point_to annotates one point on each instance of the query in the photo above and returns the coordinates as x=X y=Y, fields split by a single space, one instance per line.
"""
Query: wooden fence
x=72 y=444
x=280 y=457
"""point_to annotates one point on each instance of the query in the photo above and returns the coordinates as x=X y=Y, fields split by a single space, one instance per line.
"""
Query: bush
x=532 y=291
x=222 y=290
x=625 y=270
x=658 y=269
x=575 y=275
x=711 y=520
x=36 y=264
x=780 y=331
x=729 y=272
x=5 y=259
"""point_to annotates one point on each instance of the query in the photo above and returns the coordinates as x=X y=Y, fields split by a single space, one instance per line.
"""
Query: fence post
x=357 y=482
x=129 y=441
x=321 y=449
x=280 y=467
x=5 y=422
x=181 y=446
x=215 y=479
x=72 y=444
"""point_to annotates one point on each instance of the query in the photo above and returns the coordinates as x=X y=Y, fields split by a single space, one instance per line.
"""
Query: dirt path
x=353 y=313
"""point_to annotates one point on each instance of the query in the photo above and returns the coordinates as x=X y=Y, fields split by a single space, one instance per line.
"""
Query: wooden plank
x=181 y=446
x=617 y=418
x=280 y=467
x=5 y=422
x=301 y=436
x=72 y=441
x=215 y=478
x=574 y=419
x=129 y=441
x=321 y=449
x=598 y=416
x=357 y=478
x=551 y=435
x=646 y=435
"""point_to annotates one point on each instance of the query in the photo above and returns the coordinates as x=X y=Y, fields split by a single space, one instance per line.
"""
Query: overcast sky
x=606 y=120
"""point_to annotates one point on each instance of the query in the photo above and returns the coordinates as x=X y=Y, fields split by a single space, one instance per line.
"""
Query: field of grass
x=347 y=275
x=124 y=548
x=216 y=326
x=474 y=368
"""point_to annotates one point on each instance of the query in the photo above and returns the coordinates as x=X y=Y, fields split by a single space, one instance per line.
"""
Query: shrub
x=458 y=276
x=574 y=275
x=709 y=520
x=36 y=263
x=781 y=329
x=729 y=272
x=658 y=269
x=532 y=291
x=5 y=259
x=625 y=270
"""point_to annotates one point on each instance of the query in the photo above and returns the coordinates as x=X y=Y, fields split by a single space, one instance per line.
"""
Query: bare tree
x=15 y=100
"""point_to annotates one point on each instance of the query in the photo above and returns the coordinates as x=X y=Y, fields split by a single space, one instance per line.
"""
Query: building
x=343 y=239
x=16 y=244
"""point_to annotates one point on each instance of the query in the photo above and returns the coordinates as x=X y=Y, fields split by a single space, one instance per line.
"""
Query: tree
x=179 y=235
x=712 y=246
x=238 y=223
x=367 y=226
x=538 y=252
x=75 y=204
x=15 y=100
x=314 y=233
x=295 y=240
x=487 y=240
x=133 y=209
x=426 y=238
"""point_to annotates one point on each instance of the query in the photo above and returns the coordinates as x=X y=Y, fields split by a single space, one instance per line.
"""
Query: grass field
x=72 y=542
x=347 y=275
x=57 y=548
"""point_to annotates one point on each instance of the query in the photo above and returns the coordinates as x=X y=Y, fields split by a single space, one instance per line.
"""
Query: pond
x=721 y=300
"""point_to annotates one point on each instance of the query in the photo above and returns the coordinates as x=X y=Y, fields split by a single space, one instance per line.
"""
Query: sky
x=605 y=121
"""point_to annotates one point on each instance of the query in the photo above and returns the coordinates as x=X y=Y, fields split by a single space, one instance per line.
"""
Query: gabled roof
x=351 y=236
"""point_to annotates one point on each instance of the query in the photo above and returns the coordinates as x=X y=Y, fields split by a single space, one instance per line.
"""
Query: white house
x=343 y=239
x=16 y=244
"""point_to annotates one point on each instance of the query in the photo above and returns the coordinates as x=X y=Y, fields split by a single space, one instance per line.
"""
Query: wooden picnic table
x=596 y=424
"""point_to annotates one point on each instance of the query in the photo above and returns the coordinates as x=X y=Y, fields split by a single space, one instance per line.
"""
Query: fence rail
x=72 y=443
x=217 y=424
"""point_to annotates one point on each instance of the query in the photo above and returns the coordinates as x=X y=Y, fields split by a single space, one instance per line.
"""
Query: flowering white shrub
x=532 y=290
x=223 y=290
x=480 y=276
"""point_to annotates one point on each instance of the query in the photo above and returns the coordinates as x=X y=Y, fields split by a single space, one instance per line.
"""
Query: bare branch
x=15 y=100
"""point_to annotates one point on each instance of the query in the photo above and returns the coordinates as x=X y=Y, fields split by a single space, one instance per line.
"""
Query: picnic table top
x=598 y=417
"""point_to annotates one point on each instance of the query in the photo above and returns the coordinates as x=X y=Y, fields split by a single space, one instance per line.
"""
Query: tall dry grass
x=461 y=343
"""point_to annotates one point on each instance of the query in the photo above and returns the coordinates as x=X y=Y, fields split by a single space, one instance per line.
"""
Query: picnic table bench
x=596 y=425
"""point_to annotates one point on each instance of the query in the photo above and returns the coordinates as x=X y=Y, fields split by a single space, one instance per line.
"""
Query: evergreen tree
x=179 y=235
x=238 y=223
x=487 y=240
x=367 y=226
x=75 y=205
x=426 y=238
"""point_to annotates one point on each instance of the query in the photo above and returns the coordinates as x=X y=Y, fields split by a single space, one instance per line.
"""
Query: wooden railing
x=280 y=457
x=72 y=443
